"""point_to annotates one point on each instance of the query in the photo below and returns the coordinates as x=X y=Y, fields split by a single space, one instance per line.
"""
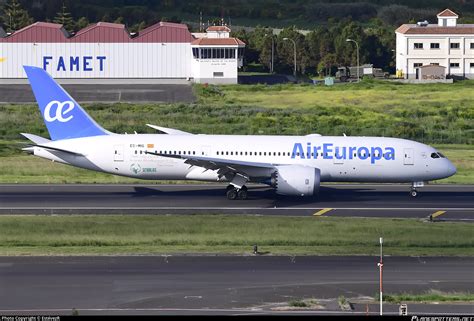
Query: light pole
x=380 y=265
x=294 y=44
x=357 y=45
x=273 y=45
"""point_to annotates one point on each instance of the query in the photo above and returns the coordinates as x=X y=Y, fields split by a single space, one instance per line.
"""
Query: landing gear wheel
x=231 y=194
x=242 y=193
x=413 y=193
x=229 y=187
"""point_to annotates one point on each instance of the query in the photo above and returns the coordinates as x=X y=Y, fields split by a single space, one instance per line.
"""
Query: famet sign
x=75 y=63
x=328 y=151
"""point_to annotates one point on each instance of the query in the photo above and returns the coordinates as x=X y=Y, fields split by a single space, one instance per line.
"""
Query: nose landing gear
x=414 y=185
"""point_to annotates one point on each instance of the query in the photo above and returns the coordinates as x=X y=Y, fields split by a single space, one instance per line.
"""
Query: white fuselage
x=357 y=159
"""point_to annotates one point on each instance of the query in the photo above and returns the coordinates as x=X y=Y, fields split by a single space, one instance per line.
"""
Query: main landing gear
x=414 y=185
x=234 y=193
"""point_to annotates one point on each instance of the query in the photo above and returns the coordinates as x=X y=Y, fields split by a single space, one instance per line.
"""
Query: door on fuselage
x=118 y=153
x=408 y=157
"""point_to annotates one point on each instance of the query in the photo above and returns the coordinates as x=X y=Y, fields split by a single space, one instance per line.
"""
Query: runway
x=443 y=202
x=221 y=284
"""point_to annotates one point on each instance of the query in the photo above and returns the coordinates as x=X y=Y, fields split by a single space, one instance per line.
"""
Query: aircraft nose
x=451 y=169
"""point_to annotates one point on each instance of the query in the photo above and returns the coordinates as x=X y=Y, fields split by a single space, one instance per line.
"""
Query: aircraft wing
x=223 y=166
x=169 y=131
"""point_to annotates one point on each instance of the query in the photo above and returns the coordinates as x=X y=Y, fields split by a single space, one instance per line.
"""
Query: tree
x=327 y=63
x=81 y=23
x=64 y=17
x=15 y=17
x=285 y=49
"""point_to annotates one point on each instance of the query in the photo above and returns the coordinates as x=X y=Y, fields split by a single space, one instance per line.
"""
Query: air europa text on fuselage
x=329 y=151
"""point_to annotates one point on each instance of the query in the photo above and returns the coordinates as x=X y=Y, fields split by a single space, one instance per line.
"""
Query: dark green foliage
x=64 y=17
x=14 y=16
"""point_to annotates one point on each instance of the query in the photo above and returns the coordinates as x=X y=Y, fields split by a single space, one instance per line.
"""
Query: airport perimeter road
x=218 y=284
x=107 y=93
x=443 y=202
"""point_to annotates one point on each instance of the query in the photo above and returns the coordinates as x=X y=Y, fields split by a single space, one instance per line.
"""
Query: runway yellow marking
x=323 y=211
x=438 y=213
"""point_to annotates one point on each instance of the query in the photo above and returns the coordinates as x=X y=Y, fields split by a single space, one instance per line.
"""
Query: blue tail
x=63 y=116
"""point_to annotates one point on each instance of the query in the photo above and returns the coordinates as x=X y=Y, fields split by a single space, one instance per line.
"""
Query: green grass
x=31 y=169
x=439 y=114
x=435 y=113
x=429 y=296
x=113 y=234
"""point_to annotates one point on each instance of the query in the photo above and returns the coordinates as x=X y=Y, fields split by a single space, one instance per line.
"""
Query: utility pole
x=294 y=44
x=380 y=265
x=358 y=64
x=273 y=48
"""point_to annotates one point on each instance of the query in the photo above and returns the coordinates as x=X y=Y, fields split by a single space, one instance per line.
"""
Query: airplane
x=292 y=165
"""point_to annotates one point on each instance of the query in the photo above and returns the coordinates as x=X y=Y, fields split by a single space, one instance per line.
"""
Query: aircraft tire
x=242 y=194
x=231 y=194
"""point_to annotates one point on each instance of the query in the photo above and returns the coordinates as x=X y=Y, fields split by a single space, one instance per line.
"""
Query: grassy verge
x=430 y=296
x=111 y=234
x=30 y=169
x=435 y=113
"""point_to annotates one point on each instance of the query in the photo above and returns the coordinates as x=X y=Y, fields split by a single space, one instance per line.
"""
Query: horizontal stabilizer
x=36 y=139
x=59 y=150
x=169 y=131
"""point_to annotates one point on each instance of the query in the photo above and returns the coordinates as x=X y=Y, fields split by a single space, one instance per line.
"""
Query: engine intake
x=296 y=180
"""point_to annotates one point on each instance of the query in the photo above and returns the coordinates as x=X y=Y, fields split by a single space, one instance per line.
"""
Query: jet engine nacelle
x=296 y=180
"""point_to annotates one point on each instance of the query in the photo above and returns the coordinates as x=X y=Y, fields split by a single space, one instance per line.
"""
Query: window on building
x=455 y=45
x=417 y=64
x=434 y=63
x=472 y=45
x=218 y=74
x=229 y=53
x=472 y=65
x=434 y=45
x=454 y=65
x=418 y=45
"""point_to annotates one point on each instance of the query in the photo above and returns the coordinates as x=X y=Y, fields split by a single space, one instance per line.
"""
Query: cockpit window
x=434 y=155
x=441 y=155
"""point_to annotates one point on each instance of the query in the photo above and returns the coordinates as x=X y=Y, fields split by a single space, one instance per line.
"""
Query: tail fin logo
x=62 y=109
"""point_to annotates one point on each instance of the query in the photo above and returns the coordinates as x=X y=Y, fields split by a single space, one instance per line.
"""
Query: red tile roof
x=410 y=29
x=101 y=32
x=218 y=28
x=447 y=13
x=218 y=42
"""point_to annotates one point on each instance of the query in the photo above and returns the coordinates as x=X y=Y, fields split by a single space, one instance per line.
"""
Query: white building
x=108 y=51
x=217 y=56
x=446 y=44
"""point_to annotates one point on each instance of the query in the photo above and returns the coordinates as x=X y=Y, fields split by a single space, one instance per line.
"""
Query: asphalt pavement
x=107 y=93
x=443 y=202
x=222 y=284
